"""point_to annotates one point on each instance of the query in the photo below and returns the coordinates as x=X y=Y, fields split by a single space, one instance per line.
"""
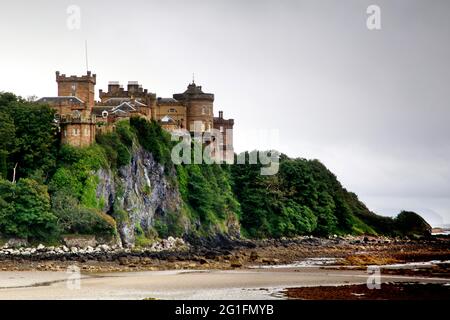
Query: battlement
x=134 y=89
x=220 y=121
x=92 y=78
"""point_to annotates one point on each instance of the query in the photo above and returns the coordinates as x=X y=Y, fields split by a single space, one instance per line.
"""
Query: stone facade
x=199 y=107
x=225 y=127
x=73 y=106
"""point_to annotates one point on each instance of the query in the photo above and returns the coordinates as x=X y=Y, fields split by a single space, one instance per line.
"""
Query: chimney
x=113 y=86
x=220 y=114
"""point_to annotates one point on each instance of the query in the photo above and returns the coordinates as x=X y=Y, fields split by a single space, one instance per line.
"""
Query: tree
x=7 y=134
x=28 y=135
x=25 y=210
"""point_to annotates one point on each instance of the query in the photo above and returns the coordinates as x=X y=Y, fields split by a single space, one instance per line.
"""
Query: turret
x=199 y=106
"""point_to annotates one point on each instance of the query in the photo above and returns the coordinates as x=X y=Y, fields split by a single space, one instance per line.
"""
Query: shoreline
x=235 y=255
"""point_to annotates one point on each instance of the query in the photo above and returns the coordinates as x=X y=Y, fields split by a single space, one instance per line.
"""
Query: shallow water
x=306 y=263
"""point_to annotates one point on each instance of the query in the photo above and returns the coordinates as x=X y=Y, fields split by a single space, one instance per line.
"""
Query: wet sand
x=189 y=284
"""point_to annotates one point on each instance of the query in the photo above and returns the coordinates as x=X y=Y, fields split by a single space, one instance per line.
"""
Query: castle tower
x=81 y=87
x=199 y=107
x=73 y=106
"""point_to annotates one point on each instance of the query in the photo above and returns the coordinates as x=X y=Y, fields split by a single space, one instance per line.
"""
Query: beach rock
x=123 y=261
x=235 y=263
x=179 y=242
x=80 y=241
x=254 y=256
x=104 y=247
x=17 y=242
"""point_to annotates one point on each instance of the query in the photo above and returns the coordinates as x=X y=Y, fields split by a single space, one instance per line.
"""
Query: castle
x=80 y=117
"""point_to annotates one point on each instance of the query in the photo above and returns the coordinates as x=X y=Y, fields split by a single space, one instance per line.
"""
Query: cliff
x=141 y=190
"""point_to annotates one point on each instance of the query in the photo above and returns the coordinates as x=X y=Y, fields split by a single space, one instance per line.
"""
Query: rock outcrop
x=136 y=193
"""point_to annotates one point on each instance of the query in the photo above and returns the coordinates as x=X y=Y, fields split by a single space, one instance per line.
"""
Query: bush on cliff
x=117 y=144
x=72 y=217
x=153 y=138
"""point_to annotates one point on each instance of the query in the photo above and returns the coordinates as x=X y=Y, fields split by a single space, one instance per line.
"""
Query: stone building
x=80 y=117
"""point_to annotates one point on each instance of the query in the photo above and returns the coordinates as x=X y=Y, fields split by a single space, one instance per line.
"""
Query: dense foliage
x=25 y=210
x=153 y=138
x=28 y=137
x=306 y=198
x=207 y=192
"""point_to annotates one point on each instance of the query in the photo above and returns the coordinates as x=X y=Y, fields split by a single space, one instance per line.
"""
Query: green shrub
x=75 y=218
x=117 y=152
x=25 y=210
x=153 y=138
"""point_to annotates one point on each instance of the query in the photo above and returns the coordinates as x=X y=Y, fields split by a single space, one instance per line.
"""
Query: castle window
x=203 y=110
x=74 y=89
x=86 y=132
x=75 y=132
x=65 y=133
x=172 y=110
x=221 y=129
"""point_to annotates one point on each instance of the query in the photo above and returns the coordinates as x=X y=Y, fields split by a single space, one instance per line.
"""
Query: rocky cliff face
x=140 y=191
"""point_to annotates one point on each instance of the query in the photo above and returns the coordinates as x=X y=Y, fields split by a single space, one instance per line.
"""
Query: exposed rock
x=254 y=256
x=80 y=241
x=235 y=263
x=144 y=193
x=17 y=242
x=123 y=261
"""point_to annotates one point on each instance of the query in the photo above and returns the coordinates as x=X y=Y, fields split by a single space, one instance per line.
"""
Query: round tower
x=199 y=107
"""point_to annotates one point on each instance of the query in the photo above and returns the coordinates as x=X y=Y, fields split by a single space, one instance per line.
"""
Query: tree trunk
x=14 y=173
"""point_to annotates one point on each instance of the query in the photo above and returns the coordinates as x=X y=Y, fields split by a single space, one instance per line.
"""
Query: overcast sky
x=373 y=106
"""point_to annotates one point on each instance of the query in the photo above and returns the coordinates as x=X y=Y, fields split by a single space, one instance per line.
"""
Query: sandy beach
x=210 y=284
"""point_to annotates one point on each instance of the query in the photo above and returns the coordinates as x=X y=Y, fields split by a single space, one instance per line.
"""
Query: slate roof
x=71 y=99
